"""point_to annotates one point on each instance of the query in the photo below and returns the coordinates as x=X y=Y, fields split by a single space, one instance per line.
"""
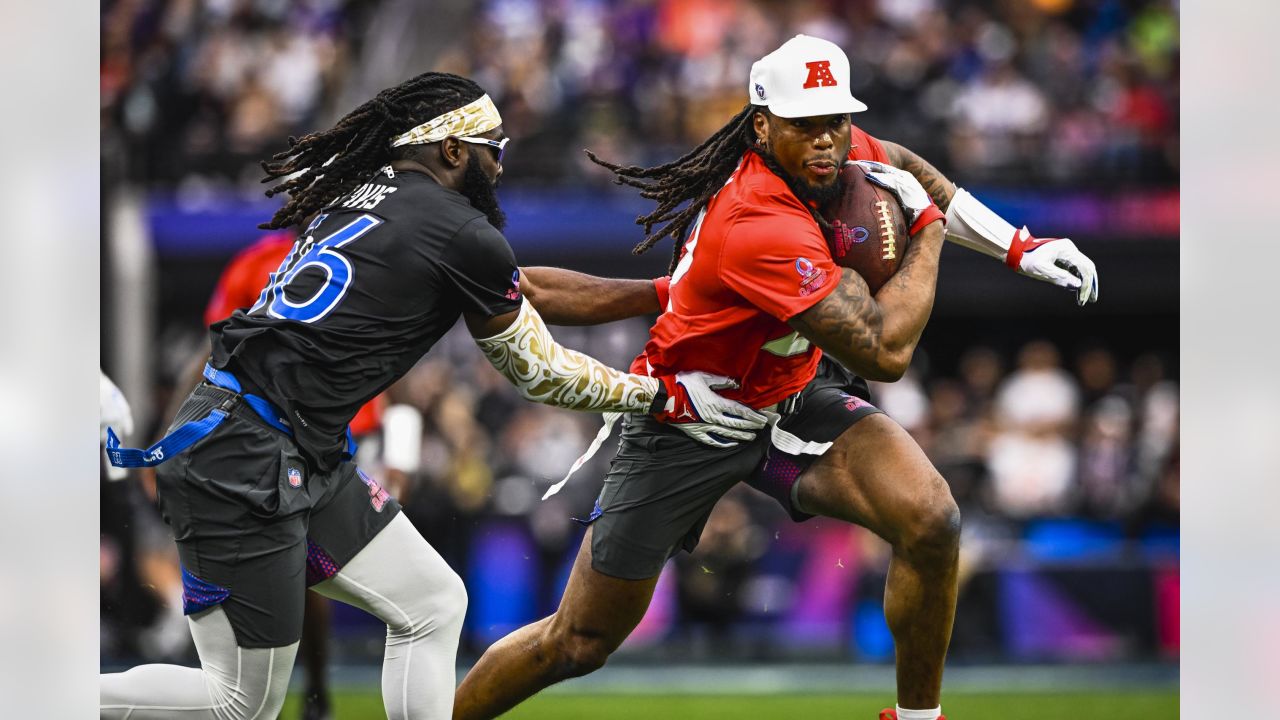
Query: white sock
x=919 y=714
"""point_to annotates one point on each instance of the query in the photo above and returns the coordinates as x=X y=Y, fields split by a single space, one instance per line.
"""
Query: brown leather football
x=868 y=231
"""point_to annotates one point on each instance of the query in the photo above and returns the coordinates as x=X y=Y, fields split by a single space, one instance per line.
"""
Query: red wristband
x=663 y=287
x=1022 y=241
x=927 y=216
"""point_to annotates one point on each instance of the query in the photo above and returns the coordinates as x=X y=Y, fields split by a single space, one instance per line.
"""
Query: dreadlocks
x=693 y=178
x=334 y=161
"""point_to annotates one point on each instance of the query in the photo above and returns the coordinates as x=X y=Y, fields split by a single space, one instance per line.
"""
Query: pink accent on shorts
x=320 y=565
x=853 y=403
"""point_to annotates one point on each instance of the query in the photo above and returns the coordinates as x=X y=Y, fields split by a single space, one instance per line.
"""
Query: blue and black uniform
x=269 y=501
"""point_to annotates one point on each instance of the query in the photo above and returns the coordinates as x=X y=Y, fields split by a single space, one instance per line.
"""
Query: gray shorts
x=662 y=484
x=256 y=525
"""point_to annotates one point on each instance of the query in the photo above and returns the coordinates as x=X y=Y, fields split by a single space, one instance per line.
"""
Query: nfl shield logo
x=295 y=477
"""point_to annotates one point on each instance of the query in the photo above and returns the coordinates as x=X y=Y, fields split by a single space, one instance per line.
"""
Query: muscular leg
x=596 y=613
x=875 y=475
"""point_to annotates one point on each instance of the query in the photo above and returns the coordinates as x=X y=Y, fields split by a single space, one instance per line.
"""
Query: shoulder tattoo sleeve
x=546 y=372
x=934 y=182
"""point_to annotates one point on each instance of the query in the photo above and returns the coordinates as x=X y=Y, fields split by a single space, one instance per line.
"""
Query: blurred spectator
x=712 y=578
x=1106 y=460
x=1038 y=397
x=998 y=122
x=1031 y=459
x=959 y=441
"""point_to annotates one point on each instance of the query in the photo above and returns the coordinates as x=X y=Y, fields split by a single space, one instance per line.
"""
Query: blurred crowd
x=998 y=92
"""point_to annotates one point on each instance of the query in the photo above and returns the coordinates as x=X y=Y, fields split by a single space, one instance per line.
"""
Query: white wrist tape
x=402 y=438
x=543 y=371
x=975 y=226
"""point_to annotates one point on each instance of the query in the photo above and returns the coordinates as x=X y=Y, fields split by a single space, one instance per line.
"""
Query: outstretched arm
x=973 y=225
x=565 y=297
x=522 y=350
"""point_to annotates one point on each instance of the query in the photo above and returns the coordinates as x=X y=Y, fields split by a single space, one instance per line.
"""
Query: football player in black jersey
x=402 y=237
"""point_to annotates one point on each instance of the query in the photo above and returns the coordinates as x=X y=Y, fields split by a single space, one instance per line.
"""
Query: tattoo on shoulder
x=934 y=182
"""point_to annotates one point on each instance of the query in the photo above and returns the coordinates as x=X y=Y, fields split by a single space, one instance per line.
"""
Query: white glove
x=901 y=183
x=1058 y=261
x=973 y=225
x=695 y=408
x=113 y=409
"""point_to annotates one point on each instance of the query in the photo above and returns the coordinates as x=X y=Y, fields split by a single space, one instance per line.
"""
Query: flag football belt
x=779 y=437
x=191 y=432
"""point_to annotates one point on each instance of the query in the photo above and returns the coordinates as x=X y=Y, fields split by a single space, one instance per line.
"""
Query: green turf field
x=1140 y=705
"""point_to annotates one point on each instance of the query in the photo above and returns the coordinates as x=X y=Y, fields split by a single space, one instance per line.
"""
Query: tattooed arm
x=875 y=336
x=565 y=297
x=935 y=183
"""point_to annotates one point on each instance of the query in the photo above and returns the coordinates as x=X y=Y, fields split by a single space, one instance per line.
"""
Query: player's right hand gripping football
x=915 y=200
x=693 y=406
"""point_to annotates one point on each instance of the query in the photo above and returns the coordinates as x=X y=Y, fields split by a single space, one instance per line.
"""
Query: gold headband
x=479 y=116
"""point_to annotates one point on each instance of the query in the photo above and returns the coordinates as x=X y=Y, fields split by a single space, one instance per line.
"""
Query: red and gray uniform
x=755 y=259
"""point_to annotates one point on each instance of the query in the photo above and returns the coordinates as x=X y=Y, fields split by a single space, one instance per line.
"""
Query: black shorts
x=256 y=525
x=662 y=484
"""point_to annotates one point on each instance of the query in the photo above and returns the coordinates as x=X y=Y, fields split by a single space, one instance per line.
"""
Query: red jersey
x=242 y=282
x=755 y=259
x=246 y=275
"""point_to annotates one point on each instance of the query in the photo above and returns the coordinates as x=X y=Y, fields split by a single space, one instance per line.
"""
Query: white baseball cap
x=805 y=77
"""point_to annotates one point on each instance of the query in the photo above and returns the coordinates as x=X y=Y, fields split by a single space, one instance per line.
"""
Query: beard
x=477 y=188
x=807 y=192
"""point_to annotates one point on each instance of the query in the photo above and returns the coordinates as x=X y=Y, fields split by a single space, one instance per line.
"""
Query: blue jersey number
x=323 y=255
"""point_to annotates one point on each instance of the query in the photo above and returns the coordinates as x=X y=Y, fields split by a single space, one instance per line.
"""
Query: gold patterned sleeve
x=546 y=372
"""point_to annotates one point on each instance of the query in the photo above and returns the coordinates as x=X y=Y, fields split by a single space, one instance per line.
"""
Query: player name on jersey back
x=367 y=196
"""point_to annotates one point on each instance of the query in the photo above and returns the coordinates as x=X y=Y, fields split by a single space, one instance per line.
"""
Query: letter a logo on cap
x=819 y=74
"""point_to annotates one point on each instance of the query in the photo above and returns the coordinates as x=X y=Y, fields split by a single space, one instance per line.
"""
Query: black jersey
x=373 y=283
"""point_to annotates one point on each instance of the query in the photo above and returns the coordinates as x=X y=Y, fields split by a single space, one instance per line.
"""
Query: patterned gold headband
x=476 y=117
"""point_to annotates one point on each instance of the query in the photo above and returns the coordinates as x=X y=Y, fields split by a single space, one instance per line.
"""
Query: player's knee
x=583 y=654
x=251 y=699
x=568 y=653
x=441 y=609
x=934 y=530
x=452 y=602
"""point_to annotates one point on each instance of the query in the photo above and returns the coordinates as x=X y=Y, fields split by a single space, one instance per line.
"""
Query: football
x=868 y=229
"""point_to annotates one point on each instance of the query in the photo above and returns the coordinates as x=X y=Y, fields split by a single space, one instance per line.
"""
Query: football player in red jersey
x=755 y=296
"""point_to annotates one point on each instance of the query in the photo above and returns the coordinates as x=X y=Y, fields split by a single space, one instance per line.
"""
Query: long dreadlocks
x=693 y=178
x=358 y=144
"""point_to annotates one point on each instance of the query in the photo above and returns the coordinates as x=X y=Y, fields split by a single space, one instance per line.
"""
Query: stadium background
x=1056 y=426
